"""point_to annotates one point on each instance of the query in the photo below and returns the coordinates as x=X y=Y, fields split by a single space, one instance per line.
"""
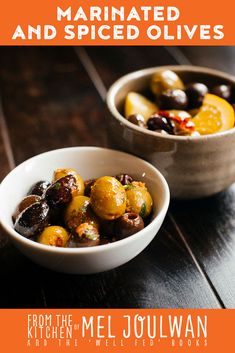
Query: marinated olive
x=60 y=192
x=128 y=224
x=139 y=199
x=54 y=236
x=124 y=179
x=88 y=184
x=164 y=80
x=223 y=91
x=137 y=119
x=33 y=219
x=196 y=93
x=87 y=235
x=158 y=122
x=79 y=211
x=173 y=99
x=108 y=198
x=107 y=229
x=26 y=202
x=78 y=187
x=39 y=188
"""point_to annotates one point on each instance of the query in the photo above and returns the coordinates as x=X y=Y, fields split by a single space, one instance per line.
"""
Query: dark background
x=53 y=97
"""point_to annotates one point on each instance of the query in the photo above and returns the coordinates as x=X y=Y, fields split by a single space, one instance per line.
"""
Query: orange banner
x=116 y=22
x=117 y=330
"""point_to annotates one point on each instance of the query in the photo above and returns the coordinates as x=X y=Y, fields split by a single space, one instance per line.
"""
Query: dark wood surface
x=54 y=97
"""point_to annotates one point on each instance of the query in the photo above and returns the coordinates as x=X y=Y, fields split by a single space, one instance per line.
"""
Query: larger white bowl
x=91 y=162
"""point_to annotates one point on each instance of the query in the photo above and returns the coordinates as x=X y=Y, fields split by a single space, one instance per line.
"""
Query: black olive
x=137 y=119
x=60 y=192
x=173 y=99
x=124 y=179
x=128 y=224
x=107 y=229
x=88 y=184
x=39 y=188
x=33 y=219
x=196 y=93
x=223 y=91
x=157 y=122
x=25 y=202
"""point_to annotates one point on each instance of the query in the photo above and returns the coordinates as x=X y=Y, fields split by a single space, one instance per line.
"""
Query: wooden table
x=54 y=97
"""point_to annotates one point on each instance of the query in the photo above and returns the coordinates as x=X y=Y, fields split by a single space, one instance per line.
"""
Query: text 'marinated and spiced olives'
x=179 y=108
x=70 y=212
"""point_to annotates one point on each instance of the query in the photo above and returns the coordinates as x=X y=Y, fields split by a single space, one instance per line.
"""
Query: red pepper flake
x=185 y=123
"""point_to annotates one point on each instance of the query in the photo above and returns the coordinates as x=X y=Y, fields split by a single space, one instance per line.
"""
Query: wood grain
x=6 y=161
x=51 y=102
x=207 y=225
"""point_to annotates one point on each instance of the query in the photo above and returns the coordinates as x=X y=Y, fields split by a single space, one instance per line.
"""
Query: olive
x=128 y=224
x=124 y=179
x=173 y=99
x=196 y=93
x=26 y=202
x=108 y=198
x=139 y=199
x=60 y=192
x=223 y=91
x=88 y=184
x=107 y=229
x=158 y=122
x=39 y=188
x=78 y=187
x=54 y=236
x=33 y=219
x=79 y=211
x=88 y=235
x=137 y=119
x=164 y=80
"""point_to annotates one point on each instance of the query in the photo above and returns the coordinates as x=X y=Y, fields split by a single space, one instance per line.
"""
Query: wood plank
x=50 y=94
x=207 y=225
x=6 y=161
x=42 y=88
x=162 y=276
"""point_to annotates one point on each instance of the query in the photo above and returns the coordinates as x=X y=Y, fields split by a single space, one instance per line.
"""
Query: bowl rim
x=117 y=85
x=99 y=248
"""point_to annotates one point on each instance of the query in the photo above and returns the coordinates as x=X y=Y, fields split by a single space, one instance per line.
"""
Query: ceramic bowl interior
x=139 y=81
x=91 y=162
x=194 y=167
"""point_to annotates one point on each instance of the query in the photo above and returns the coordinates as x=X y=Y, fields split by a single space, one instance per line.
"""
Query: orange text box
x=197 y=23
x=117 y=330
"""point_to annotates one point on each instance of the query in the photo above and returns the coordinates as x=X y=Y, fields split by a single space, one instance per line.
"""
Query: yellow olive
x=79 y=211
x=163 y=80
x=54 y=236
x=108 y=198
x=139 y=199
x=60 y=173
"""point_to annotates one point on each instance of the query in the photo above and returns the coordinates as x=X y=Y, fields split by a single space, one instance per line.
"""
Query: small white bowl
x=91 y=162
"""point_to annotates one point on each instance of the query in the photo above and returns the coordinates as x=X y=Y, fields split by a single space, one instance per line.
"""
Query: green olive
x=79 y=211
x=54 y=236
x=164 y=80
x=139 y=199
x=108 y=198
x=60 y=173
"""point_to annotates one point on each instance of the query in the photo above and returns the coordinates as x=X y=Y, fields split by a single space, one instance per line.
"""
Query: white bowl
x=91 y=162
